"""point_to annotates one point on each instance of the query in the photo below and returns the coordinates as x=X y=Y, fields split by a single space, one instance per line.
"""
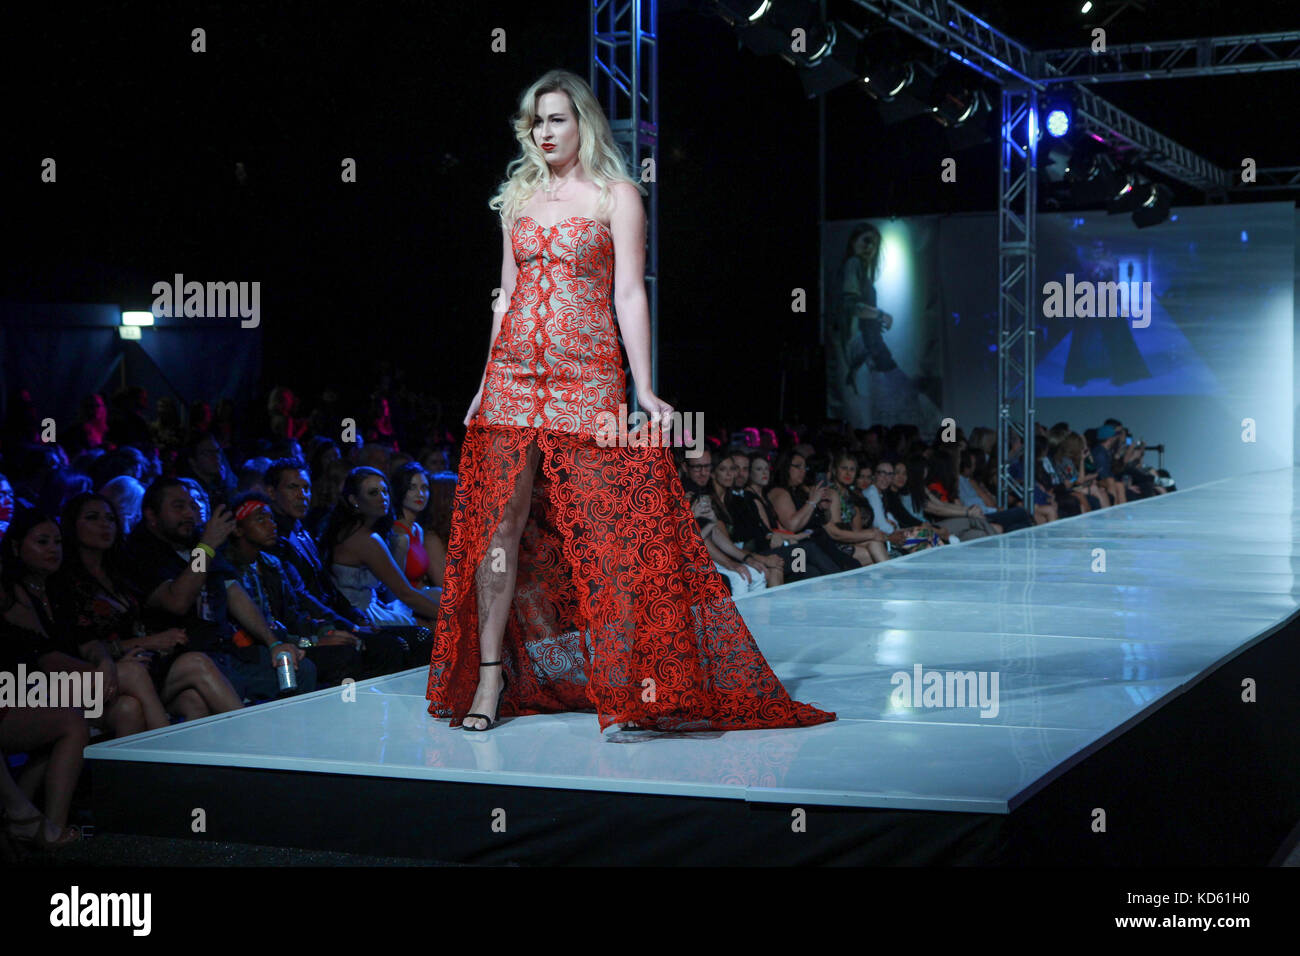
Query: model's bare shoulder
x=626 y=197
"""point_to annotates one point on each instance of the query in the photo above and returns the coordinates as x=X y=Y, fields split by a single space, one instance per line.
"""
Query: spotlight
x=1090 y=174
x=740 y=12
x=837 y=66
x=1155 y=209
x=899 y=87
x=1055 y=160
x=954 y=100
x=1131 y=193
x=765 y=27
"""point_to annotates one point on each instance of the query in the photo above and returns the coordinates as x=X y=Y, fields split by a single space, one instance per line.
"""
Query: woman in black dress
x=96 y=606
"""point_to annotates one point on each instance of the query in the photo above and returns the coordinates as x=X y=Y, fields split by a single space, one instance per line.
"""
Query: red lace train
x=616 y=606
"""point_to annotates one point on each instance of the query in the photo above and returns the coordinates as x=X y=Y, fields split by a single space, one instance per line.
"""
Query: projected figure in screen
x=891 y=396
x=1102 y=347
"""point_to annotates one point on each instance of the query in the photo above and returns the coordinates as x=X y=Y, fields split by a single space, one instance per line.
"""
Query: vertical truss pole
x=1017 y=295
x=623 y=50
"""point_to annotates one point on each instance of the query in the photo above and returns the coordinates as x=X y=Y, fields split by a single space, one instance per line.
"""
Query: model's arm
x=628 y=228
x=501 y=303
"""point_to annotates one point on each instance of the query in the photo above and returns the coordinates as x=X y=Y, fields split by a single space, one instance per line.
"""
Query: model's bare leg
x=495 y=585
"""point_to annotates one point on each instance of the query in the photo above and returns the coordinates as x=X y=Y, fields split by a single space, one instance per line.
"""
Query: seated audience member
x=724 y=507
x=168 y=430
x=422 y=563
x=1141 y=480
x=359 y=559
x=8 y=502
x=205 y=462
x=35 y=465
x=929 y=493
x=91 y=429
x=289 y=487
x=1067 y=463
x=252 y=474
x=889 y=515
x=279 y=594
x=52 y=737
x=287 y=448
x=200 y=496
x=126 y=495
x=969 y=489
x=320 y=452
x=203 y=597
x=1046 y=482
x=376 y=456
x=806 y=558
x=1119 y=465
x=325 y=495
x=741 y=576
x=92 y=597
x=282 y=409
x=753 y=530
x=61 y=487
x=436 y=460
x=846 y=525
x=696 y=472
x=33 y=552
x=123 y=461
x=799 y=507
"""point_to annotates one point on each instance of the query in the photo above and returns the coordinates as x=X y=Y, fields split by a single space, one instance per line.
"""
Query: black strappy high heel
x=491 y=722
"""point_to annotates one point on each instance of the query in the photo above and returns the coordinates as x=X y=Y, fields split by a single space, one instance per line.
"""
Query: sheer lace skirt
x=616 y=605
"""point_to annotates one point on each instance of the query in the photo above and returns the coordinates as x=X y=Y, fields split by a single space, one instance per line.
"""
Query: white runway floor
x=1190 y=579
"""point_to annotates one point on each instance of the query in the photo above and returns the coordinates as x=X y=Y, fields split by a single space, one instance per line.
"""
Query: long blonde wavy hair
x=601 y=158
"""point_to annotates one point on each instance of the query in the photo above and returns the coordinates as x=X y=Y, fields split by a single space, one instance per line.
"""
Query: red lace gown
x=616 y=604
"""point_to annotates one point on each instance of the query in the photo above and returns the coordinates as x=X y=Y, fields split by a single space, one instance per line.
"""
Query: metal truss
x=1271 y=177
x=951 y=29
x=1172 y=59
x=1017 y=294
x=623 y=52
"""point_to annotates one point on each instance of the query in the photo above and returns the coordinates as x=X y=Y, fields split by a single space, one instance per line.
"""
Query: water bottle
x=285 y=673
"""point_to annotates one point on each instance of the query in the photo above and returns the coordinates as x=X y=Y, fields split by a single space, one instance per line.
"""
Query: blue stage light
x=1058 y=122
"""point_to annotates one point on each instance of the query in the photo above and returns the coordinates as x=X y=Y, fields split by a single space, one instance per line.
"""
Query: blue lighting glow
x=1244 y=237
x=1058 y=122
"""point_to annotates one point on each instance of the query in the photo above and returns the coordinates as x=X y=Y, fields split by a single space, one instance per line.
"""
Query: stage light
x=1155 y=209
x=837 y=66
x=129 y=333
x=766 y=28
x=899 y=87
x=1058 y=122
x=743 y=11
x=1055 y=160
x=1091 y=174
x=954 y=100
x=1132 y=193
x=1086 y=7
x=137 y=318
